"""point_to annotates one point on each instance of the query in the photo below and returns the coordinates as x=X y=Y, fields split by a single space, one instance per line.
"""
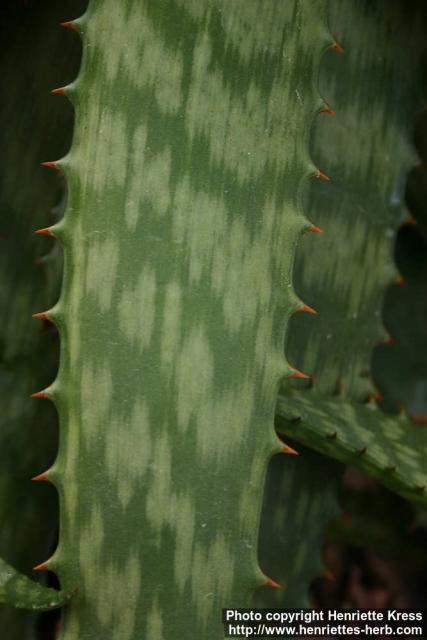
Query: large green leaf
x=185 y=176
x=300 y=502
x=390 y=448
x=375 y=88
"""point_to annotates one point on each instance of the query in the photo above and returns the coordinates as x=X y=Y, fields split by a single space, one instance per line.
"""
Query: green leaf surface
x=375 y=87
x=400 y=368
x=391 y=449
x=185 y=178
x=25 y=593
x=300 y=502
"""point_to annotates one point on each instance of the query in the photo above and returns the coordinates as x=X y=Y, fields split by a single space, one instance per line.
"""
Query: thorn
x=320 y=175
x=378 y=397
x=331 y=436
x=328 y=575
x=314 y=229
x=391 y=468
x=43 y=315
x=346 y=518
x=400 y=281
x=42 y=477
x=410 y=220
x=43 y=566
x=420 y=488
x=45 y=232
x=272 y=584
x=419 y=419
x=307 y=309
x=299 y=374
x=362 y=451
x=389 y=340
x=60 y=91
x=289 y=451
x=40 y=394
x=51 y=165
x=68 y=25
x=336 y=46
x=328 y=110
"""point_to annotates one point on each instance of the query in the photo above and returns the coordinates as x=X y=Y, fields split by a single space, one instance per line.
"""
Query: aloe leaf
x=185 y=176
x=400 y=368
x=301 y=500
x=366 y=149
x=27 y=594
x=343 y=274
x=35 y=53
x=389 y=448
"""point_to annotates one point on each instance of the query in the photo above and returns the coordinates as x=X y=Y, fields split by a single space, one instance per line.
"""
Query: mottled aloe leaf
x=27 y=594
x=416 y=191
x=300 y=502
x=390 y=448
x=358 y=210
x=366 y=149
x=392 y=529
x=36 y=55
x=400 y=368
x=185 y=179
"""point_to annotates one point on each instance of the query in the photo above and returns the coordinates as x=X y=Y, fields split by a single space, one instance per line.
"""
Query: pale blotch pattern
x=105 y=158
x=137 y=309
x=249 y=490
x=101 y=270
x=71 y=627
x=75 y=298
x=155 y=182
x=117 y=608
x=154 y=622
x=91 y=545
x=160 y=486
x=150 y=63
x=370 y=250
x=109 y=169
x=240 y=268
x=71 y=467
x=200 y=211
x=237 y=20
x=149 y=181
x=133 y=200
x=212 y=575
x=194 y=375
x=95 y=408
x=171 y=326
x=223 y=419
x=184 y=524
x=126 y=458
x=249 y=131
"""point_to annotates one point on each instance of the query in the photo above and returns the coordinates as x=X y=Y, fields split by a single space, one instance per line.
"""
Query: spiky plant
x=191 y=239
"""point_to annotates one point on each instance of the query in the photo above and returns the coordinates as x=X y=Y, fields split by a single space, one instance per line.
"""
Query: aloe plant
x=196 y=195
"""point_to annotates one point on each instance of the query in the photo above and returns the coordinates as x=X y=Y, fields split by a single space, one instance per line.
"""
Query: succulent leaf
x=300 y=502
x=185 y=181
x=23 y=593
x=390 y=448
x=375 y=88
